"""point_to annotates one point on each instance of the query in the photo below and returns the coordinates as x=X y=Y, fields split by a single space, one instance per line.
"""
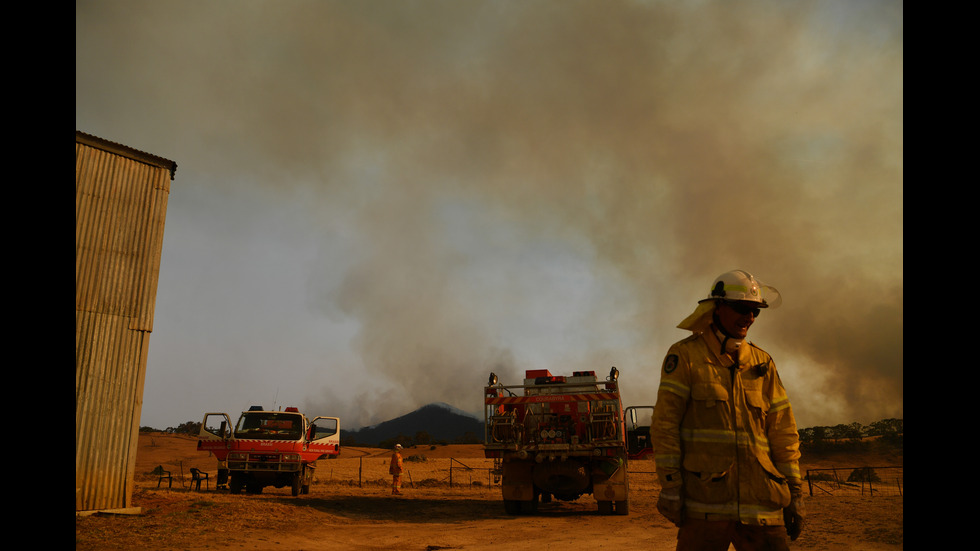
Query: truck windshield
x=270 y=425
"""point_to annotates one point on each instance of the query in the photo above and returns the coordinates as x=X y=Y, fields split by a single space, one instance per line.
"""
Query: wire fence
x=421 y=471
x=857 y=481
x=417 y=471
x=484 y=473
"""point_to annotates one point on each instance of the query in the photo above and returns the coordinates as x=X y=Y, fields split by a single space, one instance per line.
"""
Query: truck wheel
x=512 y=506
x=308 y=471
x=605 y=507
x=623 y=507
x=297 y=484
x=529 y=507
x=236 y=484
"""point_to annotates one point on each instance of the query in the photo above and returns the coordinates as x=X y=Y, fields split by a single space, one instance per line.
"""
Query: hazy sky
x=379 y=202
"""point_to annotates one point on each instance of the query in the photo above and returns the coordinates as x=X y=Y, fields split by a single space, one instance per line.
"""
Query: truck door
x=324 y=435
x=638 y=420
x=214 y=437
x=216 y=426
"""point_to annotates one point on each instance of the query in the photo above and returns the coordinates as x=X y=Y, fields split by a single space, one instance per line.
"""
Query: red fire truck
x=269 y=448
x=561 y=437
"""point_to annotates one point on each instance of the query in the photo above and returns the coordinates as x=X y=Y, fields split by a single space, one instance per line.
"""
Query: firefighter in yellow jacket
x=724 y=435
x=395 y=470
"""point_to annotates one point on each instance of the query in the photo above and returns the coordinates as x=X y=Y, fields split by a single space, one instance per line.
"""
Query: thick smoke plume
x=542 y=184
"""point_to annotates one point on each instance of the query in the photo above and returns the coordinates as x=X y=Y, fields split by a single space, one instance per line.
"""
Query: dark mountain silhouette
x=440 y=422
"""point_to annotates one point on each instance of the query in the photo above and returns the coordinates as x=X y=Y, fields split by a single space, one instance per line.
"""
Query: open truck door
x=216 y=431
x=324 y=436
x=638 y=421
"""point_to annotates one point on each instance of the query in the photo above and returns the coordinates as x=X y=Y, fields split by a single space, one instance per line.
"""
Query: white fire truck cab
x=269 y=448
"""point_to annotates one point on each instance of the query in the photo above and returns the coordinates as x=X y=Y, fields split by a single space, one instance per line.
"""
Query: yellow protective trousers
x=707 y=535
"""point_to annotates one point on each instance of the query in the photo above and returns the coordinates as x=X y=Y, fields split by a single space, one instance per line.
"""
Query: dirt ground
x=350 y=507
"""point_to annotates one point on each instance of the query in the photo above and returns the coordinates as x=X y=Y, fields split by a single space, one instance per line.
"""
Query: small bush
x=864 y=474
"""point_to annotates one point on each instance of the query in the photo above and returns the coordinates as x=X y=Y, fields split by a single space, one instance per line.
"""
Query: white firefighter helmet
x=741 y=286
x=398 y=446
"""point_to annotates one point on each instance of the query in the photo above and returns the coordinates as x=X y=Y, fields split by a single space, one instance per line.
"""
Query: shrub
x=864 y=474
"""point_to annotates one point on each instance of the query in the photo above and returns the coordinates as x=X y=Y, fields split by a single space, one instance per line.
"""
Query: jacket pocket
x=707 y=478
x=758 y=407
x=754 y=399
x=709 y=393
x=771 y=488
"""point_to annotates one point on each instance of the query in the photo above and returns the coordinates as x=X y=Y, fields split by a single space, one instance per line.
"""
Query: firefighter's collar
x=729 y=345
x=700 y=319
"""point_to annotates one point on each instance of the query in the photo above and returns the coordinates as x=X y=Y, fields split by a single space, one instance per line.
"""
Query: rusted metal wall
x=120 y=208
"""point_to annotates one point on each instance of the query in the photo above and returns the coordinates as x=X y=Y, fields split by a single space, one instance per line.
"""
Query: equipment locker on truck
x=559 y=437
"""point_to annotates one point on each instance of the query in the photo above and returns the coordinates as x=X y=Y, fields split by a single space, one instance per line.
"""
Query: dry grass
x=340 y=513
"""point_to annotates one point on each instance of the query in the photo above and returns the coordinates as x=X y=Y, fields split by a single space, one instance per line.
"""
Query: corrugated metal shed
x=120 y=209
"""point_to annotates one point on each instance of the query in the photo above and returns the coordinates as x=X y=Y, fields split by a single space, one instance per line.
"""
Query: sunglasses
x=744 y=309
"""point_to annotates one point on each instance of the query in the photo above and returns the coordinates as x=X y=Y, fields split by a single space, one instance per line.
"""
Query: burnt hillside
x=432 y=423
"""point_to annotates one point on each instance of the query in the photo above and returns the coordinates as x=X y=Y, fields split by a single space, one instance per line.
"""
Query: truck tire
x=605 y=507
x=297 y=484
x=307 y=476
x=512 y=506
x=623 y=507
x=236 y=484
x=529 y=507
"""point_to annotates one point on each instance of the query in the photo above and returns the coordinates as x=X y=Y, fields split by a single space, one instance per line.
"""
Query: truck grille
x=263 y=462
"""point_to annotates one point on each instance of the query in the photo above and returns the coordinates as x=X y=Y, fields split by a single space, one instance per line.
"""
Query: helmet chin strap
x=729 y=343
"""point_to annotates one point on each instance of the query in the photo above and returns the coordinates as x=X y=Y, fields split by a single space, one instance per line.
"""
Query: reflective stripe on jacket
x=725 y=432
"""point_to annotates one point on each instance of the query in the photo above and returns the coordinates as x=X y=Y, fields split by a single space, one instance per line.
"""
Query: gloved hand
x=794 y=516
x=669 y=504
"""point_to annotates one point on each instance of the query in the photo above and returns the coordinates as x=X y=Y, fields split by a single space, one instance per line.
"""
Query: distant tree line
x=886 y=431
x=854 y=431
x=421 y=438
x=192 y=428
x=890 y=431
